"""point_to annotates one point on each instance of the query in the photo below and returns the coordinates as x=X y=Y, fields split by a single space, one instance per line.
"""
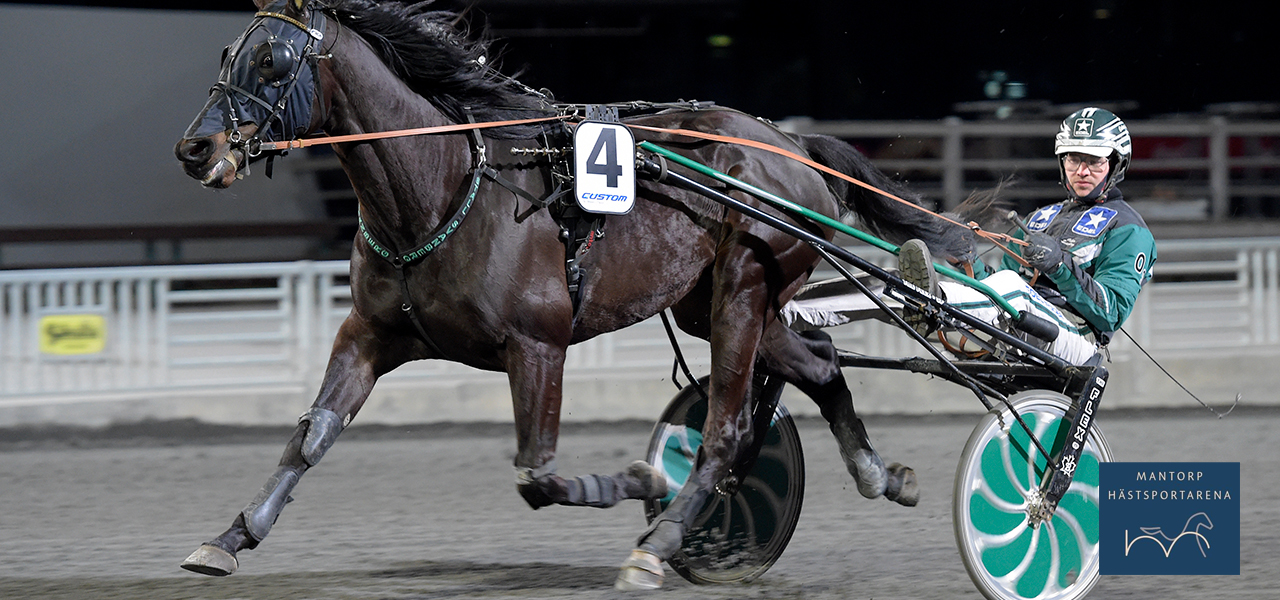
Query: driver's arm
x=1123 y=265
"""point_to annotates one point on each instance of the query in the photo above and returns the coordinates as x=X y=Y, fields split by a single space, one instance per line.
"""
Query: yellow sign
x=73 y=334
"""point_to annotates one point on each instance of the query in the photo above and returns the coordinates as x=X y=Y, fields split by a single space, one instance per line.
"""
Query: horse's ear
x=261 y=4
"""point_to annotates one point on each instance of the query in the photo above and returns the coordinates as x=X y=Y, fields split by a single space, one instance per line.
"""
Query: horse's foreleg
x=536 y=370
x=348 y=380
x=809 y=362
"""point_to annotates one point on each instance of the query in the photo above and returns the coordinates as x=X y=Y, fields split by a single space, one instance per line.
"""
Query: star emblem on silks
x=1041 y=218
x=1093 y=221
x=1068 y=465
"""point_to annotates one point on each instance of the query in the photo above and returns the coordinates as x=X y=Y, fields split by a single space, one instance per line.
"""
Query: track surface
x=431 y=512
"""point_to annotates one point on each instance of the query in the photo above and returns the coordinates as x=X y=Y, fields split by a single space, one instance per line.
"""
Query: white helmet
x=1097 y=132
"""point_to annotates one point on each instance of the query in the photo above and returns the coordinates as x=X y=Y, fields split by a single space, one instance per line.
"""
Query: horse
x=459 y=256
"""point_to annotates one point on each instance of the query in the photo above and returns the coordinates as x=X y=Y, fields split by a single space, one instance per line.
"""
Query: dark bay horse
x=454 y=262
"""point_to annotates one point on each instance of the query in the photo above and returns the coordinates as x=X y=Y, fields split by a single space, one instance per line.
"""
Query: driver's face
x=1084 y=172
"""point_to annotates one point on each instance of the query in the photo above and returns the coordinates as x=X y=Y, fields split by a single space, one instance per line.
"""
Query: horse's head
x=268 y=90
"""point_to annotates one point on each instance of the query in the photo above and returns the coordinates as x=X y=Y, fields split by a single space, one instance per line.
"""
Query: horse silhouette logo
x=1197 y=522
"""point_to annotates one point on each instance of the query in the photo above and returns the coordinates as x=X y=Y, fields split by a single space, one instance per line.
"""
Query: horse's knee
x=807 y=360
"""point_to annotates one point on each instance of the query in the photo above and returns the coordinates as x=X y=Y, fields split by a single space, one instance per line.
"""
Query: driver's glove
x=1043 y=252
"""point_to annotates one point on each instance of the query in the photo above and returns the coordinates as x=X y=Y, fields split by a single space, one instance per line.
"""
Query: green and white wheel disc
x=999 y=470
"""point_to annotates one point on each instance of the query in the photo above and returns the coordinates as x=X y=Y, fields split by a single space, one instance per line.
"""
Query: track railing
x=1196 y=168
x=72 y=335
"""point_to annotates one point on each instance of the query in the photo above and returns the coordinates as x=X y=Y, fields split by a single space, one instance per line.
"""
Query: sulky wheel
x=744 y=528
x=999 y=470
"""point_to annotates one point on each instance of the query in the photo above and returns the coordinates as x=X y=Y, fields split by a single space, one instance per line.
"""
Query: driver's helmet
x=1098 y=132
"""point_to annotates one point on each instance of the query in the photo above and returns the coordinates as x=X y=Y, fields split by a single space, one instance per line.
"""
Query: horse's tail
x=882 y=216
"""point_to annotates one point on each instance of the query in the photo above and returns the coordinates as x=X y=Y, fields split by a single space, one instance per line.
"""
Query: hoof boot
x=641 y=571
x=902 y=485
x=211 y=560
x=868 y=471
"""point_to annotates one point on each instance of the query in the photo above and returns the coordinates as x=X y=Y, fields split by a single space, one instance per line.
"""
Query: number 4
x=606 y=145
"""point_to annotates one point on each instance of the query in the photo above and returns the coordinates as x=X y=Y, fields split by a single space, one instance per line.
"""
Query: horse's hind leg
x=739 y=299
x=348 y=380
x=808 y=361
x=535 y=370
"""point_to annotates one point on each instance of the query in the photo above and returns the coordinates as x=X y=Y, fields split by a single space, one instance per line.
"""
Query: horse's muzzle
x=210 y=160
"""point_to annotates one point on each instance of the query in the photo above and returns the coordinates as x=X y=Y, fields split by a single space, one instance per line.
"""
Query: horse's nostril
x=194 y=151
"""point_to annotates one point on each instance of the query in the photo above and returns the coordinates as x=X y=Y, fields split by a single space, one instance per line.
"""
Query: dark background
x=874 y=60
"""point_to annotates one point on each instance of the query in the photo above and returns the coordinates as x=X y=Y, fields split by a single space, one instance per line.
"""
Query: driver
x=1088 y=255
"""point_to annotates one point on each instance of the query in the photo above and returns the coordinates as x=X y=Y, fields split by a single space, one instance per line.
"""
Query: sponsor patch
x=1094 y=221
x=1158 y=518
x=1041 y=219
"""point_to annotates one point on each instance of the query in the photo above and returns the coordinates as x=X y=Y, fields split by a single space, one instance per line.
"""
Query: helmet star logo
x=1084 y=127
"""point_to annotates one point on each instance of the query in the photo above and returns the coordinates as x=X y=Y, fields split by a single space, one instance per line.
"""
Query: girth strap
x=408 y=309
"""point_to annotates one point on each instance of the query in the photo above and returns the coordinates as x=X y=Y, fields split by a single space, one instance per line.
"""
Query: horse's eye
x=274 y=60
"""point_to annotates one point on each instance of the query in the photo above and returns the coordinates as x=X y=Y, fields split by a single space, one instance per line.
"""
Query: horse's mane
x=434 y=53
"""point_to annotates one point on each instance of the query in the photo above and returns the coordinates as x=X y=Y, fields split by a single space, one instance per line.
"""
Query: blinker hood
x=268 y=78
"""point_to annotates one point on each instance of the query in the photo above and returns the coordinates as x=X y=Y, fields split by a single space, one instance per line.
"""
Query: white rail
x=1213 y=160
x=268 y=327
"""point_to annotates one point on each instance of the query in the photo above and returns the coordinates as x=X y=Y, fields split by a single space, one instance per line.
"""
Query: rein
x=999 y=239
x=381 y=135
x=993 y=237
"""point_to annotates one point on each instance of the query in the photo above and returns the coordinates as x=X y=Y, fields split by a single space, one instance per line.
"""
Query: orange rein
x=995 y=238
x=360 y=137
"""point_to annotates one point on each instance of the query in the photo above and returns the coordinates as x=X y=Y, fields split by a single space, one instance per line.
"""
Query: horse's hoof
x=902 y=485
x=653 y=482
x=211 y=560
x=868 y=471
x=641 y=571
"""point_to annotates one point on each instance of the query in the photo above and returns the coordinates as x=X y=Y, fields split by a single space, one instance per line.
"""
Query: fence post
x=304 y=294
x=1257 y=293
x=952 y=163
x=1272 y=297
x=1219 y=169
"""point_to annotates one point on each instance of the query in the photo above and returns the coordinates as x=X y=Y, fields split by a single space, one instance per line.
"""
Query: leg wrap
x=532 y=484
x=323 y=429
x=599 y=491
x=262 y=511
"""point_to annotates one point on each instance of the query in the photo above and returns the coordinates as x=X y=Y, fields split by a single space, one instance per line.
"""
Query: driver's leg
x=1072 y=345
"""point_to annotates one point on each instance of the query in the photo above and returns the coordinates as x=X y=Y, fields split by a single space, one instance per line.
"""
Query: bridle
x=313 y=33
x=276 y=67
